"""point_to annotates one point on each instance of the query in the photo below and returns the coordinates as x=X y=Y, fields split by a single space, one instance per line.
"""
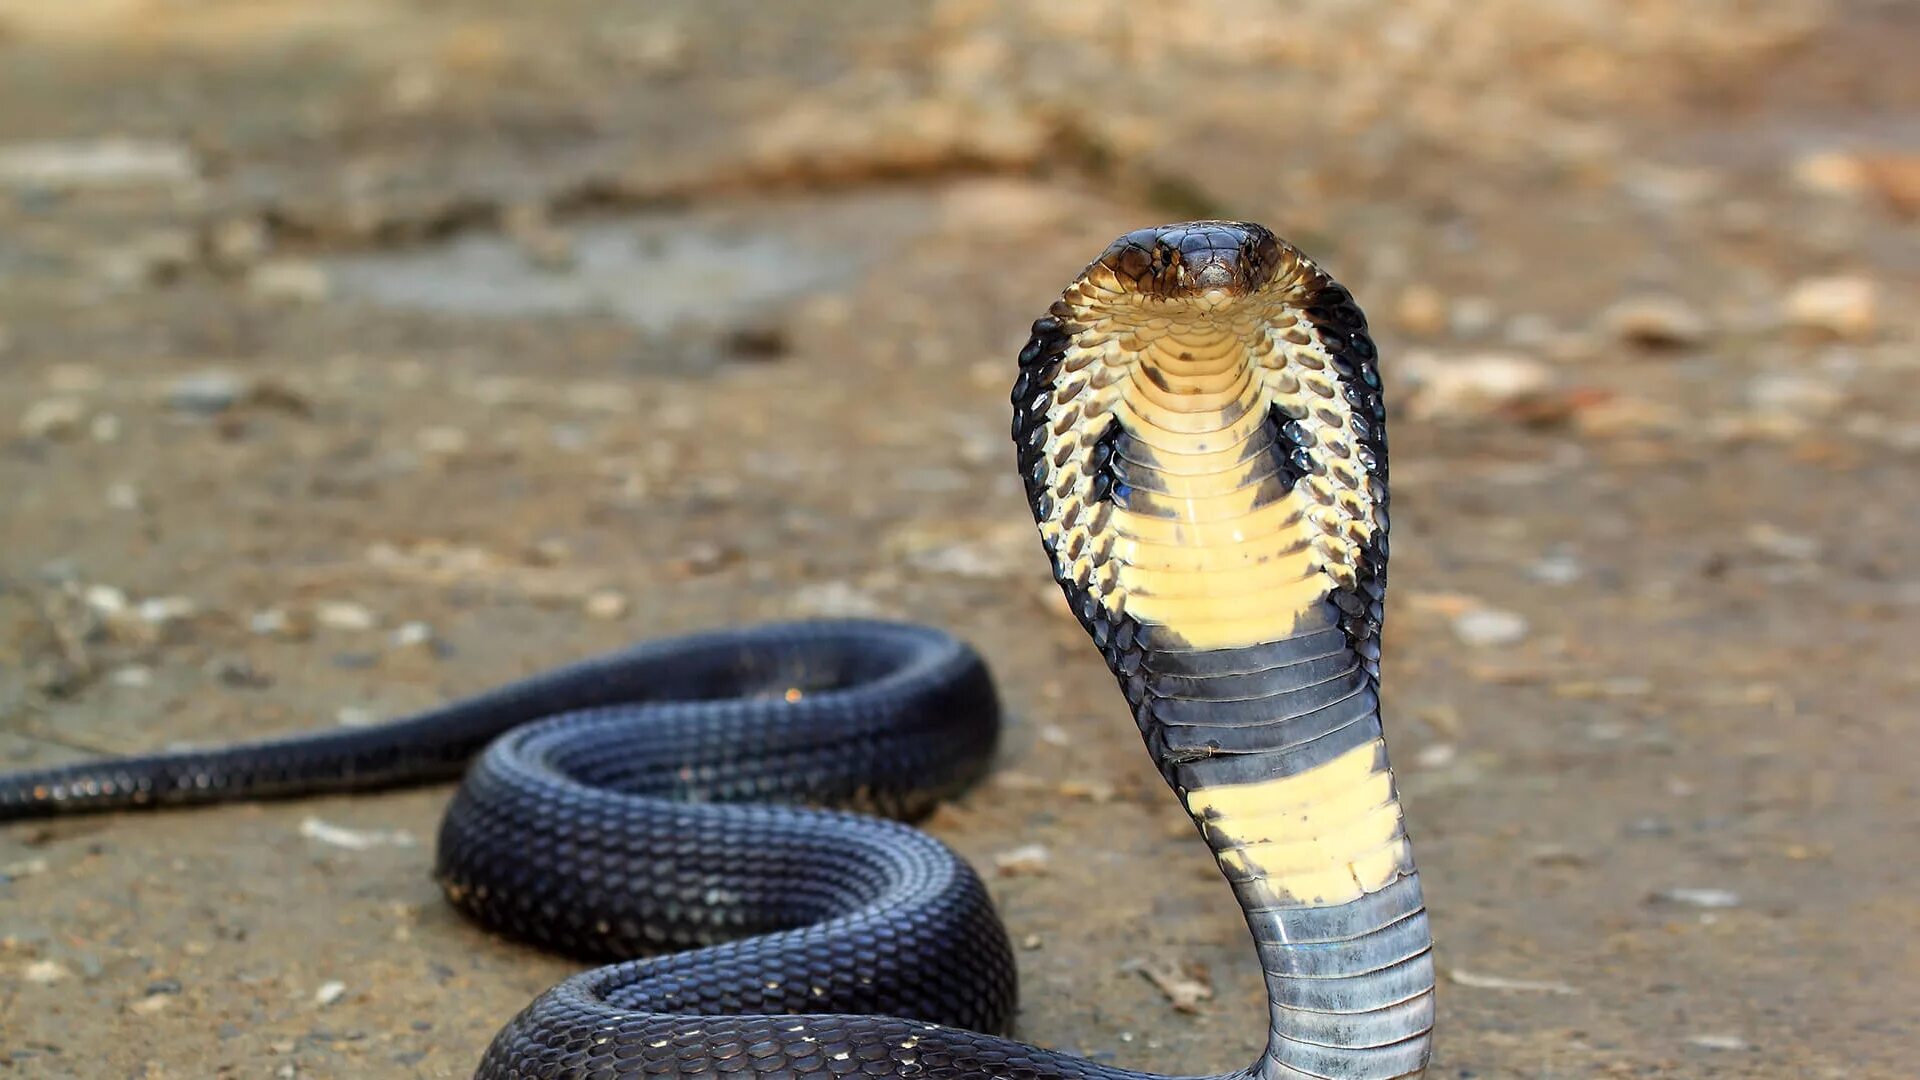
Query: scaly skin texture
x=1203 y=440
x=1200 y=429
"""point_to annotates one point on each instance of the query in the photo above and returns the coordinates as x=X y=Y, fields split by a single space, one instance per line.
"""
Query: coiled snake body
x=1200 y=430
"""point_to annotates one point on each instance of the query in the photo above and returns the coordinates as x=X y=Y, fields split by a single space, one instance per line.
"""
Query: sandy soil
x=361 y=353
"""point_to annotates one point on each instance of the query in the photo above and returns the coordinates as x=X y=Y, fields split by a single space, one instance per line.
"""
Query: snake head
x=1213 y=261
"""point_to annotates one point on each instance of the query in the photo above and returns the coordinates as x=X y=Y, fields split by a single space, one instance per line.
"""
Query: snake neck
x=1209 y=477
x=1277 y=754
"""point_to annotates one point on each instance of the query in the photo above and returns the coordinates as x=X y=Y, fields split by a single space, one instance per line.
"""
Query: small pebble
x=1830 y=172
x=1558 y=568
x=1463 y=389
x=412 y=634
x=658 y=49
x=1490 y=627
x=53 y=418
x=24 y=868
x=341 y=836
x=550 y=551
x=279 y=623
x=1657 y=322
x=1782 y=544
x=206 y=393
x=1097 y=791
x=705 y=557
x=123 y=496
x=1669 y=189
x=354 y=716
x=1480 y=981
x=106 y=599
x=1700 y=898
x=161 y=610
x=1015 y=780
x=344 y=615
x=1557 y=855
x=1893 y=177
x=151 y=1004
x=1798 y=397
x=1184 y=989
x=109 y=161
x=1845 y=306
x=329 y=992
x=607 y=604
x=838 y=599
x=289 y=281
x=1028 y=859
x=1719 y=1042
x=46 y=972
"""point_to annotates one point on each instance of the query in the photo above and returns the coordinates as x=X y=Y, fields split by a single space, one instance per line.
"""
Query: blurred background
x=357 y=353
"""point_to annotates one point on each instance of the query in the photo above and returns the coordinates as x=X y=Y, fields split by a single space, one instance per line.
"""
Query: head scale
x=1190 y=261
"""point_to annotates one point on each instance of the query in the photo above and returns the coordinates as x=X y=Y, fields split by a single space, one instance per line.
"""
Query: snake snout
x=1216 y=271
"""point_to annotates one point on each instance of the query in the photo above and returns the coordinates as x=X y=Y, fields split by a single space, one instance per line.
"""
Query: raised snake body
x=1200 y=431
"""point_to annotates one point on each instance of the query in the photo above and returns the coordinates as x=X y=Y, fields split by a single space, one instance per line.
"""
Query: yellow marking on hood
x=1268 y=524
x=1256 y=579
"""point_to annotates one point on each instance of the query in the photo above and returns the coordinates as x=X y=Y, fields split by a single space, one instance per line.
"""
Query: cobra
x=1200 y=430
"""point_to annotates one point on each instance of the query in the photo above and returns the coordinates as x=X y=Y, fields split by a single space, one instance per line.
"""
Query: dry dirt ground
x=361 y=353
